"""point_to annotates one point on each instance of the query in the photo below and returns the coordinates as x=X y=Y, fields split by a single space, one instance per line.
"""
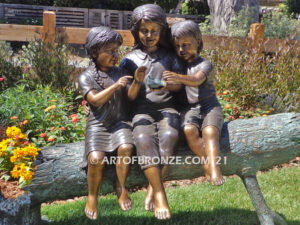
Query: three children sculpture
x=148 y=76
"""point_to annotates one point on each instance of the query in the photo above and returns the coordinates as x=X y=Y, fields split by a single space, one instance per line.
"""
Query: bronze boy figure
x=203 y=112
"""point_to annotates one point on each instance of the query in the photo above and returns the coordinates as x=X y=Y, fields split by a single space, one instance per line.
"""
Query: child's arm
x=173 y=86
x=195 y=80
x=134 y=88
x=98 y=99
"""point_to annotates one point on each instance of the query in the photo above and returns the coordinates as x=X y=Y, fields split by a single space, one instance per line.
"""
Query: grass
x=196 y=204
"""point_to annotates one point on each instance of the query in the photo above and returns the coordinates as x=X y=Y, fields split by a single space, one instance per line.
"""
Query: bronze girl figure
x=155 y=120
x=203 y=113
x=103 y=86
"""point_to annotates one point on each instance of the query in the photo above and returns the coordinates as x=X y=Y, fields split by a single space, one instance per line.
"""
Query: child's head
x=102 y=45
x=149 y=26
x=187 y=40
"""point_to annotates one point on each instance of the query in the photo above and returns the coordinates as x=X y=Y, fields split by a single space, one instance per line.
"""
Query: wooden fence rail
x=74 y=35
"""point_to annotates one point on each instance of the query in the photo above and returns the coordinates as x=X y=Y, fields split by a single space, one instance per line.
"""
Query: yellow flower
x=13 y=159
x=27 y=175
x=53 y=100
x=50 y=108
x=11 y=132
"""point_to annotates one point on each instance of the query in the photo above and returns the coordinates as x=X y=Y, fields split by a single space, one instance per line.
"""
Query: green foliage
x=193 y=7
x=10 y=72
x=280 y=25
x=56 y=115
x=293 y=6
x=277 y=25
x=257 y=80
x=48 y=64
x=240 y=23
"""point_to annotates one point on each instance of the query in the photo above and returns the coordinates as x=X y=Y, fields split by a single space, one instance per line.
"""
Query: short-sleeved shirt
x=156 y=64
x=115 y=109
x=206 y=89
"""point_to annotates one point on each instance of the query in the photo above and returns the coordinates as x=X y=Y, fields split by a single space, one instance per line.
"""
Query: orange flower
x=50 y=139
x=52 y=128
x=50 y=108
x=225 y=92
x=14 y=118
x=25 y=122
x=227 y=106
x=62 y=128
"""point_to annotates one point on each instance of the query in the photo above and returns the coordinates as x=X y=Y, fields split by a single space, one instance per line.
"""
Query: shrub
x=240 y=23
x=43 y=111
x=280 y=25
x=17 y=155
x=293 y=6
x=258 y=80
x=193 y=7
x=10 y=72
x=48 y=64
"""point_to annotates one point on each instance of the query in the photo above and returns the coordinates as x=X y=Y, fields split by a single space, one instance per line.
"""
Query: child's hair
x=99 y=37
x=187 y=28
x=153 y=13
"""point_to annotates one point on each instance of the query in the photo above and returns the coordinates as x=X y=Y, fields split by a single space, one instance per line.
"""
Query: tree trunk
x=247 y=146
x=222 y=12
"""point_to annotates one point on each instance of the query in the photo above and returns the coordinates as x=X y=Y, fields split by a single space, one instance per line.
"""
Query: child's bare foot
x=216 y=177
x=123 y=199
x=162 y=210
x=91 y=207
x=149 y=200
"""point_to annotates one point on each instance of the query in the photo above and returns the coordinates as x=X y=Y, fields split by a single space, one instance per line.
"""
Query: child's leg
x=168 y=132
x=146 y=146
x=195 y=143
x=162 y=210
x=211 y=141
x=122 y=168
x=94 y=177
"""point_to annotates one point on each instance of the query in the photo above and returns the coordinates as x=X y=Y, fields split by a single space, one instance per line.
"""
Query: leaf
x=5 y=177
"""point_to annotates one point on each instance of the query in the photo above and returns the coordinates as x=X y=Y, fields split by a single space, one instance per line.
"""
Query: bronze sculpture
x=203 y=112
x=155 y=119
x=108 y=129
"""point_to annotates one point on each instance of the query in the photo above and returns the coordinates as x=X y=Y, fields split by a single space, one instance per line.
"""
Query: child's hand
x=139 y=74
x=170 y=77
x=123 y=81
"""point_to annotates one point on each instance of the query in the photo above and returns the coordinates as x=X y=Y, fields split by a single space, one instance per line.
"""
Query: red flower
x=26 y=142
x=74 y=118
x=236 y=108
x=231 y=118
x=83 y=102
x=241 y=117
x=1 y=79
x=219 y=94
x=43 y=135
x=21 y=124
x=62 y=128
x=52 y=128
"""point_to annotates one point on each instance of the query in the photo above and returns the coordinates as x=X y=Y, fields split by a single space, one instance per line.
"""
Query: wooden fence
x=74 y=35
x=76 y=17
